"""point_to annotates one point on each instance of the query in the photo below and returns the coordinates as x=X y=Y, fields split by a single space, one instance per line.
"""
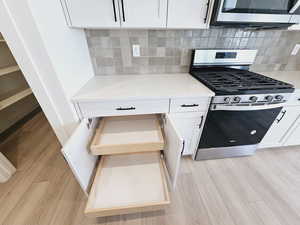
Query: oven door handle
x=295 y=7
x=216 y=107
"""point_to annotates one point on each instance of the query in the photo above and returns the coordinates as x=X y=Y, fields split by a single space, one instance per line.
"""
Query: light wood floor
x=259 y=190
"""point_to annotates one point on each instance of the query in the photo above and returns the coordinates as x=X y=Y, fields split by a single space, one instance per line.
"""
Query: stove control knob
x=269 y=98
x=226 y=100
x=253 y=98
x=279 y=97
x=237 y=99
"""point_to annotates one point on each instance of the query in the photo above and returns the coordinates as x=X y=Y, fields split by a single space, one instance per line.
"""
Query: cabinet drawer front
x=189 y=105
x=127 y=184
x=127 y=134
x=119 y=108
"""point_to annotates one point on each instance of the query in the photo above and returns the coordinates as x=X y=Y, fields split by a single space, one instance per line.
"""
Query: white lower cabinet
x=190 y=126
x=130 y=182
x=281 y=132
x=294 y=136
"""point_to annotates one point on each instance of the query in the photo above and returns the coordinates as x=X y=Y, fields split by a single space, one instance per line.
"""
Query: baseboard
x=5 y=134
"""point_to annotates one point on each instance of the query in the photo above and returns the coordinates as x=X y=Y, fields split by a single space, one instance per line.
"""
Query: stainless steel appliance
x=245 y=106
x=256 y=13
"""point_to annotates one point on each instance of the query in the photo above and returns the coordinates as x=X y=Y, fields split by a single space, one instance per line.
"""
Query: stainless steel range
x=245 y=106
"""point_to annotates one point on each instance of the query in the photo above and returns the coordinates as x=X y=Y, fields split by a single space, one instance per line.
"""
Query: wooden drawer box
x=119 y=108
x=125 y=183
x=128 y=183
x=189 y=104
x=127 y=134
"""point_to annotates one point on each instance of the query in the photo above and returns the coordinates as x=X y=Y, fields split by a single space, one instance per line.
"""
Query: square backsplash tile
x=169 y=51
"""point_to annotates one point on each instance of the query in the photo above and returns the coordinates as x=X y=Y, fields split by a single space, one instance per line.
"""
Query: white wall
x=53 y=58
x=67 y=48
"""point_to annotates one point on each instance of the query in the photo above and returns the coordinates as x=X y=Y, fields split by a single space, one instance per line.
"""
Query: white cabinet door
x=143 y=13
x=281 y=127
x=76 y=153
x=190 y=126
x=174 y=145
x=93 y=13
x=294 y=137
x=188 y=14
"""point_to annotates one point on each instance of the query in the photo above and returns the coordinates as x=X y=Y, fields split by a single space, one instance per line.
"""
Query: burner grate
x=235 y=80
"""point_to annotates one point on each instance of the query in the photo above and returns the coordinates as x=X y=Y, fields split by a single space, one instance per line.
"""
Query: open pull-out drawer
x=128 y=183
x=124 y=183
x=127 y=134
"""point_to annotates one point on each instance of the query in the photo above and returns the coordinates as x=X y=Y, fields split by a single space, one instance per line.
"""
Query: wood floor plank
x=235 y=201
x=26 y=179
x=264 y=213
x=268 y=190
x=259 y=190
x=27 y=210
x=191 y=201
x=213 y=202
x=285 y=188
x=67 y=203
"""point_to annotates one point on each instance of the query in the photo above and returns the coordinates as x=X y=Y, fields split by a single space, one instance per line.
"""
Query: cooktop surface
x=228 y=81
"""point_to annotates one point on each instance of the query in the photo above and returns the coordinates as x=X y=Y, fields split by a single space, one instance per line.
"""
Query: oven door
x=228 y=126
x=255 y=11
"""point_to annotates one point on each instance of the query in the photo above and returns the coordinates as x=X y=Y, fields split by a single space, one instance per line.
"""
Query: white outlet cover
x=136 y=52
x=295 y=49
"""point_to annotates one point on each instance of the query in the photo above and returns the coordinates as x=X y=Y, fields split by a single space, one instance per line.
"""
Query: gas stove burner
x=224 y=81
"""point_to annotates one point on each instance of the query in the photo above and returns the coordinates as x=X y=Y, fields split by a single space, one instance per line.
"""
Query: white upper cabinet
x=93 y=13
x=116 y=13
x=188 y=14
x=143 y=13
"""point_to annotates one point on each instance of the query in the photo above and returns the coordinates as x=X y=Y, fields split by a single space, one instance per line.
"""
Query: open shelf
x=8 y=70
x=15 y=98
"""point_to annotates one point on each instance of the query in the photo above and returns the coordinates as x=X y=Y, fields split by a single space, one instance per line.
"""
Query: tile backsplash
x=169 y=51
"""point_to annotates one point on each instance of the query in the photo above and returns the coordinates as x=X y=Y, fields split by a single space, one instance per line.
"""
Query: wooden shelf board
x=8 y=70
x=15 y=98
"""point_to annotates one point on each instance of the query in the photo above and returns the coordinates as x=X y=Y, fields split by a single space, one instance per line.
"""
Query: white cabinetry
x=116 y=13
x=190 y=125
x=281 y=132
x=115 y=189
x=294 y=137
x=93 y=13
x=143 y=14
x=186 y=14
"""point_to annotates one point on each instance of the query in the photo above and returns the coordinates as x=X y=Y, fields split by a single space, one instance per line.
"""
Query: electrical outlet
x=295 y=49
x=136 y=52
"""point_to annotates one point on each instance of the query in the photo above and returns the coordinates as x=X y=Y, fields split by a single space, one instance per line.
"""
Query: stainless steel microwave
x=256 y=13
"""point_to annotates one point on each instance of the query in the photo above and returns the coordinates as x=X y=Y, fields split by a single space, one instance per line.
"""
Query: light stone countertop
x=134 y=87
x=292 y=77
